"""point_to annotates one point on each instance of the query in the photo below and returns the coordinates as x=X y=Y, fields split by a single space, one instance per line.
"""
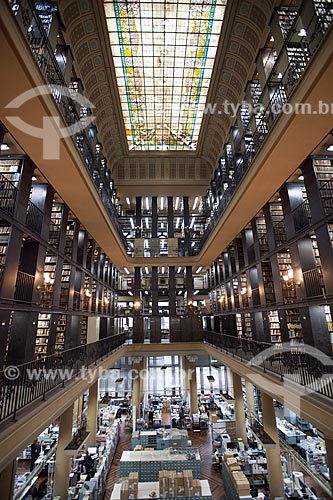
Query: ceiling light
x=162 y=202
x=4 y=147
x=177 y=222
x=199 y=269
x=128 y=201
x=34 y=178
x=163 y=269
x=147 y=203
x=330 y=147
x=132 y=222
x=180 y=292
x=196 y=292
x=177 y=203
x=179 y=269
x=126 y=270
x=147 y=223
x=130 y=293
x=196 y=199
x=301 y=177
x=302 y=32
x=147 y=270
x=192 y=222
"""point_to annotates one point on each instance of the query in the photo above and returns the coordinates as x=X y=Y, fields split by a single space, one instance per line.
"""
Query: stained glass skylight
x=163 y=53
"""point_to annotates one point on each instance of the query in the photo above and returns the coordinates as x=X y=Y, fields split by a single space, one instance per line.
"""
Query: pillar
x=329 y=451
x=92 y=413
x=136 y=385
x=185 y=380
x=7 y=480
x=239 y=407
x=275 y=476
x=63 y=462
x=251 y=407
x=144 y=380
x=192 y=377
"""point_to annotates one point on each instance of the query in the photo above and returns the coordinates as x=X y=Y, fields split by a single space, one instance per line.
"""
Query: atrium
x=166 y=249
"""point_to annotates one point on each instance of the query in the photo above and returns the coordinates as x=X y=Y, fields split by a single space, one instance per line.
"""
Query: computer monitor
x=92 y=450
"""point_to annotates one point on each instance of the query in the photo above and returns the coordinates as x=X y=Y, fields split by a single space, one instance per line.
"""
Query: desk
x=289 y=432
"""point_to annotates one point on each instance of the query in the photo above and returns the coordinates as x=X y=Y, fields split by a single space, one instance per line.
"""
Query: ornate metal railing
x=312 y=371
x=21 y=385
x=27 y=16
x=24 y=287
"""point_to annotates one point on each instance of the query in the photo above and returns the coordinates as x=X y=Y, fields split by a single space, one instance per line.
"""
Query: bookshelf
x=328 y=315
x=267 y=277
x=11 y=170
x=235 y=292
x=294 y=326
x=243 y=283
x=323 y=168
x=262 y=234
x=84 y=330
x=65 y=282
x=69 y=238
x=60 y=335
x=4 y=238
x=42 y=336
x=240 y=252
x=274 y=327
x=284 y=262
x=277 y=217
x=248 y=325
x=55 y=224
x=239 y=325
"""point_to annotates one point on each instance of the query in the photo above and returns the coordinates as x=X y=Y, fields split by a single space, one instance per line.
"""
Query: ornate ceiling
x=88 y=31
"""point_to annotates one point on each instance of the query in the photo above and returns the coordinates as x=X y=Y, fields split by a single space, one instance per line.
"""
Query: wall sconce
x=87 y=293
x=243 y=290
x=137 y=305
x=45 y=290
x=106 y=300
x=288 y=278
x=222 y=299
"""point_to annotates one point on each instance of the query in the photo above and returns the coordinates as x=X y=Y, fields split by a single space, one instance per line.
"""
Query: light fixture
x=177 y=203
x=162 y=202
x=177 y=222
x=243 y=290
x=301 y=177
x=288 y=278
x=4 y=147
x=302 y=32
x=330 y=148
x=222 y=299
x=199 y=269
x=130 y=293
x=147 y=203
x=33 y=178
x=147 y=223
x=128 y=201
x=132 y=222
x=45 y=290
x=147 y=270
x=126 y=270
x=179 y=269
x=192 y=222
x=196 y=292
x=137 y=305
x=106 y=300
x=87 y=292
x=279 y=76
x=163 y=269
x=196 y=199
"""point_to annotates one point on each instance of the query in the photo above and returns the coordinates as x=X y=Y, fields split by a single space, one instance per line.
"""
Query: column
x=136 y=385
x=185 y=381
x=329 y=451
x=7 y=480
x=239 y=407
x=144 y=380
x=251 y=407
x=63 y=462
x=92 y=413
x=192 y=376
x=275 y=476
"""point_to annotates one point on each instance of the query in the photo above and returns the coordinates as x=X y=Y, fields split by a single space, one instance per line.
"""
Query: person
x=212 y=399
x=202 y=408
x=151 y=416
x=39 y=489
x=35 y=452
x=181 y=416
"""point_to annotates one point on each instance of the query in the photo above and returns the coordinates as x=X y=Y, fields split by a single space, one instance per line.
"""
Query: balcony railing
x=296 y=365
x=32 y=27
x=34 y=380
x=24 y=287
x=34 y=218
